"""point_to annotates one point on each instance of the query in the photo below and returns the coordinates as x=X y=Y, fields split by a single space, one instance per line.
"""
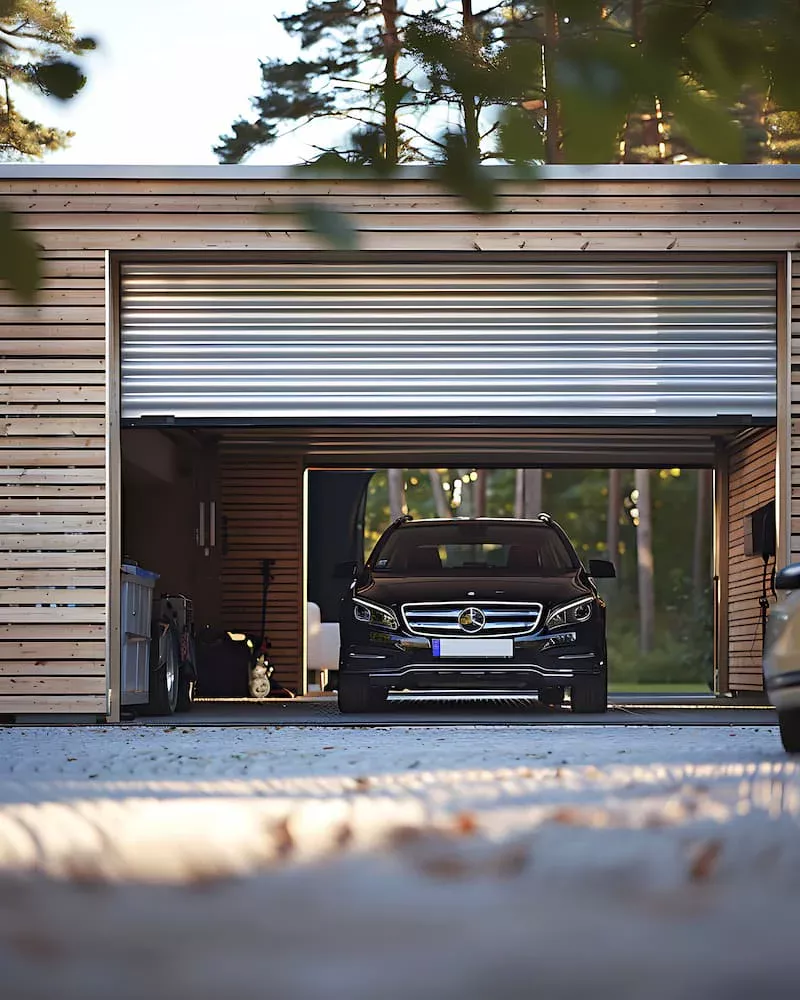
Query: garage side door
x=363 y=341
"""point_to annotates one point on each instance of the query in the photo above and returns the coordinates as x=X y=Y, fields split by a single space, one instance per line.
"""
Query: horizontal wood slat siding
x=794 y=408
x=262 y=504
x=52 y=494
x=752 y=483
x=52 y=449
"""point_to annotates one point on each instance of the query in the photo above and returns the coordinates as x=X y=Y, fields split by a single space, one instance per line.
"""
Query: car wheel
x=165 y=670
x=355 y=695
x=185 y=694
x=591 y=695
x=789 y=722
x=551 y=696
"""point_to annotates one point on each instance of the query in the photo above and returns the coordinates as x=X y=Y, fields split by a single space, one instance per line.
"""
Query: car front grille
x=442 y=620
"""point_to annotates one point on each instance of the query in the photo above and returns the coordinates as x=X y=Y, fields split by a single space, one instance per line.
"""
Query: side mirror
x=345 y=570
x=602 y=569
x=788 y=578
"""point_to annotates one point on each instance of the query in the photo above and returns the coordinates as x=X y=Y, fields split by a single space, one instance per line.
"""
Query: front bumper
x=784 y=690
x=544 y=659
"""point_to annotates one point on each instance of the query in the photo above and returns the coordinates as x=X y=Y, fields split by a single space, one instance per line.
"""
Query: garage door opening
x=206 y=508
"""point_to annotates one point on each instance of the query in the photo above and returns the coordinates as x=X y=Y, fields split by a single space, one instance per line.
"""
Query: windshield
x=470 y=548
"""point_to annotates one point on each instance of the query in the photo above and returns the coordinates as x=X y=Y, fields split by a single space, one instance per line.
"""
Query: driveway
x=452 y=861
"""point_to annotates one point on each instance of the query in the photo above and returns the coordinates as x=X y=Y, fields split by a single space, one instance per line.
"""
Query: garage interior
x=204 y=508
x=237 y=379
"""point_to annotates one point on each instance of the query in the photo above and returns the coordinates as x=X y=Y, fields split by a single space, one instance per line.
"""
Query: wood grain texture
x=52 y=413
x=52 y=493
x=752 y=483
x=262 y=527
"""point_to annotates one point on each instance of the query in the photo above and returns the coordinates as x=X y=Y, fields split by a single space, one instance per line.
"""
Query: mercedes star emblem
x=472 y=619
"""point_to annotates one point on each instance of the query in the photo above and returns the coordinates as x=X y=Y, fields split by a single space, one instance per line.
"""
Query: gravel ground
x=381 y=863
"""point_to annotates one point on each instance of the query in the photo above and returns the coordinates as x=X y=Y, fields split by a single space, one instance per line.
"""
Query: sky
x=169 y=77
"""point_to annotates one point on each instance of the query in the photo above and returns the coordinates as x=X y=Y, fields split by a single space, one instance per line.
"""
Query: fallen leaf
x=465 y=824
x=401 y=836
x=511 y=860
x=34 y=944
x=283 y=839
x=362 y=783
x=703 y=860
x=344 y=836
x=568 y=815
x=444 y=866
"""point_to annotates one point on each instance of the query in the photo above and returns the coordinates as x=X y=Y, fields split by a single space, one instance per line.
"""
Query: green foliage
x=333 y=227
x=578 y=499
x=460 y=171
x=19 y=260
x=35 y=38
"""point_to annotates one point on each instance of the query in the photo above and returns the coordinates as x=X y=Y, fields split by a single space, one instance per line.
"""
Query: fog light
x=562 y=639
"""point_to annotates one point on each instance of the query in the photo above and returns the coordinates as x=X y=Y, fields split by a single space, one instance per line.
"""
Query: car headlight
x=574 y=613
x=373 y=614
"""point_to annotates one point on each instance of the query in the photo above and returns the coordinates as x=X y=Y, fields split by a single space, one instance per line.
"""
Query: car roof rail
x=402 y=519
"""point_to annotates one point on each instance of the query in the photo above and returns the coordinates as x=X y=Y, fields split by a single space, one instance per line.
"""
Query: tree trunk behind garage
x=700 y=566
x=397 y=495
x=612 y=517
x=644 y=554
x=528 y=498
x=440 y=501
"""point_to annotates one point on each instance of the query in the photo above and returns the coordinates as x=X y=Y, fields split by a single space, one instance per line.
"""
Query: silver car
x=782 y=657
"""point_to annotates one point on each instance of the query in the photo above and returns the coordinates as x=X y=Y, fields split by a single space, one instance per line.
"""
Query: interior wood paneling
x=261 y=506
x=751 y=484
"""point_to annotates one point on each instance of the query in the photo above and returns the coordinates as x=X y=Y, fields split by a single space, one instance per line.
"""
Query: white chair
x=322 y=645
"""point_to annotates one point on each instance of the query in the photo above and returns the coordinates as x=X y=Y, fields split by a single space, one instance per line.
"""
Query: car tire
x=355 y=695
x=185 y=694
x=591 y=695
x=551 y=696
x=165 y=669
x=789 y=722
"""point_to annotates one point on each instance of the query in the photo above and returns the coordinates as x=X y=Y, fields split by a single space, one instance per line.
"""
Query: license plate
x=473 y=647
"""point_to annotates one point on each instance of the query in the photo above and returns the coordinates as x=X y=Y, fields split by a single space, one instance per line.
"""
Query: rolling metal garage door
x=266 y=342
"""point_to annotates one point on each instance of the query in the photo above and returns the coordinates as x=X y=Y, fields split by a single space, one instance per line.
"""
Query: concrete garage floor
x=442 y=710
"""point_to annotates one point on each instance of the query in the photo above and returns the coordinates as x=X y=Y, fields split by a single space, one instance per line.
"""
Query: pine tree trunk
x=612 y=516
x=468 y=100
x=397 y=495
x=481 y=484
x=644 y=556
x=391 y=48
x=528 y=493
x=553 y=147
x=440 y=500
x=699 y=562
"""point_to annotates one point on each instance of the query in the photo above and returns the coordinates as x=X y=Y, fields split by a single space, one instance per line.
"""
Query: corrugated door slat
x=660 y=339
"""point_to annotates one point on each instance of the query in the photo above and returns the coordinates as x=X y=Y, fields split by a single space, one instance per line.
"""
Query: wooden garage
x=133 y=252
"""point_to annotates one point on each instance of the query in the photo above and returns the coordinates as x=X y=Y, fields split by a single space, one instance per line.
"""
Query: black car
x=474 y=604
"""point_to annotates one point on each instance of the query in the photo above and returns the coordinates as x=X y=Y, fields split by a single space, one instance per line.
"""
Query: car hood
x=549 y=591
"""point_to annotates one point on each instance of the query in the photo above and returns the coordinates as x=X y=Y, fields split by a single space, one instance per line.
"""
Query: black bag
x=223 y=665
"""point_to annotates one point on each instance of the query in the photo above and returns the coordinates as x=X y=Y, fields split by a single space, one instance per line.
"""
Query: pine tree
x=35 y=38
x=349 y=71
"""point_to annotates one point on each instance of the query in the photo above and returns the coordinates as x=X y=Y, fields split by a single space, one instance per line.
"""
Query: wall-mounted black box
x=759 y=531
